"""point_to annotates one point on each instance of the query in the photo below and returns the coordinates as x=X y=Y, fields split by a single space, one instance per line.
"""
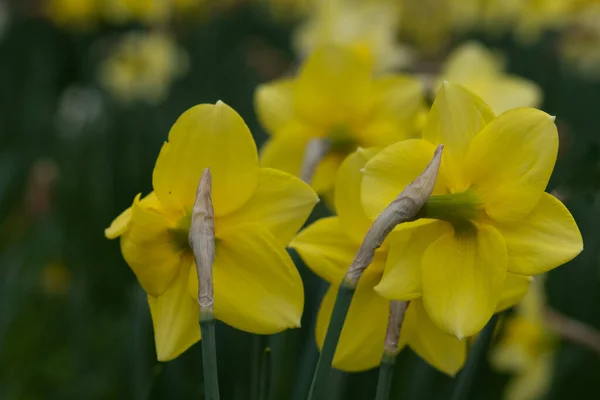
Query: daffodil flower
x=257 y=212
x=488 y=214
x=481 y=71
x=526 y=348
x=335 y=97
x=328 y=247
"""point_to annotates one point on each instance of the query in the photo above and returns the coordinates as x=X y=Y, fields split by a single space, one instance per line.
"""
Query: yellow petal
x=545 y=239
x=463 y=274
x=511 y=160
x=509 y=92
x=361 y=343
x=257 y=286
x=326 y=171
x=455 y=118
x=326 y=248
x=121 y=223
x=285 y=151
x=333 y=87
x=515 y=288
x=392 y=169
x=398 y=103
x=442 y=351
x=533 y=382
x=402 y=275
x=471 y=61
x=347 y=194
x=175 y=318
x=281 y=204
x=274 y=103
x=149 y=249
x=212 y=136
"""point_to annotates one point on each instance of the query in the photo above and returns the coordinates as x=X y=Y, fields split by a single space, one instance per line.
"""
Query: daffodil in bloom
x=368 y=28
x=526 y=348
x=74 y=13
x=488 y=214
x=481 y=71
x=328 y=247
x=257 y=212
x=143 y=67
x=336 y=98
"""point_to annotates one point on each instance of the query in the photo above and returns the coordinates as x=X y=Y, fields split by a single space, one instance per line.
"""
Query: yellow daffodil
x=526 y=348
x=488 y=213
x=481 y=71
x=257 y=212
x=334 y=97
x=143 y=67
x=328 y=247
x=369 y=29
x=76 y=13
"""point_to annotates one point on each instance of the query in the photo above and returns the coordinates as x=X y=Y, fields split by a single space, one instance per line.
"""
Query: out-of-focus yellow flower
x=149 y=12
x=526 y=348
x=488 y=213
x=55 y=279
x=75 y=13
x=335 y=97
x=328 y=247
x=257 y=212
x=368 y=28
x=143 y=67
x=482 y=71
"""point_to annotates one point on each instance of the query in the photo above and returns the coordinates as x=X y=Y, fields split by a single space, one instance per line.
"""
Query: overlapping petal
x=392 y=169
x=361 y=343
x=456 y=117
x=463 y=275
x=120 y=224
x=149 y=249
x=547 y=238
x=285 y=151
x=402 y=275
x=274 y=104
x=257 y=286
x=515 y=289
x=280 y=204
x=507 y=92
x=204 y=136
x=175 y=318
x=443 y=351
x=511 y=160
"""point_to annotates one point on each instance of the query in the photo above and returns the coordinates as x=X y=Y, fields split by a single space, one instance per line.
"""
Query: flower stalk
x=390 y=349
x=402 y=209
x=202 y=242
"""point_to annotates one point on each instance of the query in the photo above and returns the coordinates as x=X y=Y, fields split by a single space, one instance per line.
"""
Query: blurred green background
x=74 y=323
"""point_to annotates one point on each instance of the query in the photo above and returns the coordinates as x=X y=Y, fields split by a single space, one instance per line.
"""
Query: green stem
x=265 y=375
x=386 y=373
x=336 y=323
x=466 y=379
x=209 y=357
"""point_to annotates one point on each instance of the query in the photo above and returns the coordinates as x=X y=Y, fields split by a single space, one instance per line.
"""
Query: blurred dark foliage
x=92 y=338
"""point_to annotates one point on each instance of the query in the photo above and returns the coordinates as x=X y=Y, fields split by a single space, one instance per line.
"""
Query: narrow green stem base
x=265 y=375
x=386 y=374
x=336 y=323
x=209 y=358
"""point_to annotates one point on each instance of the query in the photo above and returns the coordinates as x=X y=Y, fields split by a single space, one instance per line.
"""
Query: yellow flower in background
x=368 y=28
x=481 y=71
x=488 y=214
x=76 y=13
x=526 y=348
x=257 y=212
x=328 y=247
x=335 y=97
x=143 y=67
x=150 y=12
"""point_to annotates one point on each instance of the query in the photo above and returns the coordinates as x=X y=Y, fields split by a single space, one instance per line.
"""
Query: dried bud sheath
x=202 y=242
x=315 y=150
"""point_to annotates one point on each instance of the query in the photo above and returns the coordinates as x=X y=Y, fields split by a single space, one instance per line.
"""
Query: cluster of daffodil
x=487 y=228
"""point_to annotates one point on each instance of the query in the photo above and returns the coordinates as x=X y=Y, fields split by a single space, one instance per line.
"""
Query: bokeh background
x=88 y=92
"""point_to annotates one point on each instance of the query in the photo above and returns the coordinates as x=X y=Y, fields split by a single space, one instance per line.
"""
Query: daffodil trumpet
x=402 y=209
x=390 y=348
x=202 y=243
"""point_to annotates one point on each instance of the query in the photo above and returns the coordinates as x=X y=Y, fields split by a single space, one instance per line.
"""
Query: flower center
x=341 y=140
x=180 y=233
x=460 y=209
